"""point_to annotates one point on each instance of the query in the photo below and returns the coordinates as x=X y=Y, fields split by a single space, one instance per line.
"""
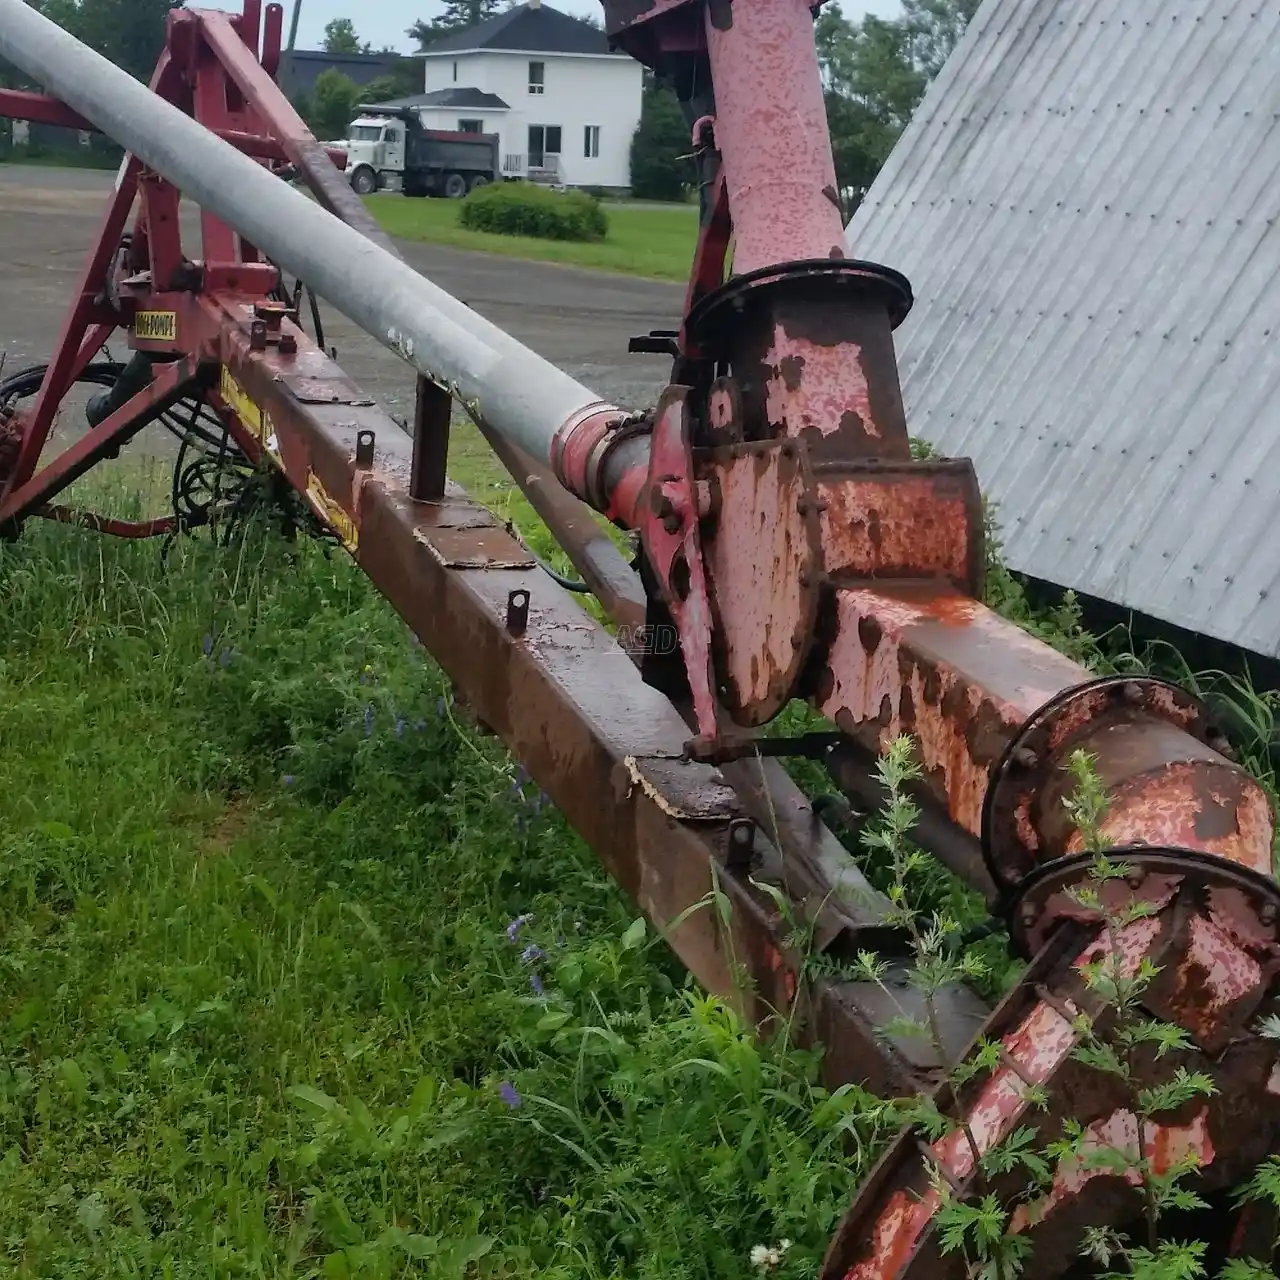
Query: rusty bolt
x=1219 y=742
x=518 y=612
x=805 y=577
x=1029 y=914
x=1133 y=693
x=365 y=441
x=1267 y=914
x=258 y=336
x=788 y=450
x=1025 y=758
x=1136 y=878
x=288 y=344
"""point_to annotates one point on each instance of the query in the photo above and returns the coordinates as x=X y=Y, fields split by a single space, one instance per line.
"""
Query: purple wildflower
x=419 y=726
x=532 y=953
x=442 y=708
x=400 y=726
x=288 y=780
x=368 y=721
x=513 y=929
x=206 y=645
x=507 y=1092
x=536 y=983
x=225 y=657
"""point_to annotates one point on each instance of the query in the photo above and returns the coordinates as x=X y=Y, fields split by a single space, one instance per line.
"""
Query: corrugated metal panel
x=1086 y=206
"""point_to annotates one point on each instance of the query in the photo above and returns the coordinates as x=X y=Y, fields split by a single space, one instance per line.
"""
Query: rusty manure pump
x=788 y=540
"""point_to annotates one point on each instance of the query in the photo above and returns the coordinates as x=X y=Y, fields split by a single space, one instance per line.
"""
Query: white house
x=564 y=105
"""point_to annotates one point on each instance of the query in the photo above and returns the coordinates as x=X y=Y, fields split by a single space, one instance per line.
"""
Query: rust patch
x=791 y=371
x=869 y=632
x=1218 y=816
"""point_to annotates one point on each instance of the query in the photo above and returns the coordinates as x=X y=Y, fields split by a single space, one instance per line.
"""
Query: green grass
x=258 y=999
x=656 y=243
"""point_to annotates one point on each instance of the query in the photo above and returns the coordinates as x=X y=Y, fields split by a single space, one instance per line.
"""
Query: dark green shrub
x=522 y=209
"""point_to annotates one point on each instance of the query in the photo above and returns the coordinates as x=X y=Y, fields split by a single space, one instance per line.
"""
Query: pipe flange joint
x=1010 y=839
x=579 y=448
x=1240 y=902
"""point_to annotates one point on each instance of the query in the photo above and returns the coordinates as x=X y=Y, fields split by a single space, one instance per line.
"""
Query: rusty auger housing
x=789 y=538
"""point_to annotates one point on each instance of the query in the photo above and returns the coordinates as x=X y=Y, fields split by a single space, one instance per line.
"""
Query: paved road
x=579 y=320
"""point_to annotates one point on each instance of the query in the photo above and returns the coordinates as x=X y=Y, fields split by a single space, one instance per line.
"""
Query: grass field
x=301 y=978
x=643 y=240
x=265 y=1007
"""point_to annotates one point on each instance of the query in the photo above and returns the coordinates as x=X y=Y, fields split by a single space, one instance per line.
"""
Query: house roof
x=1085 y=205
x=452 y=97
x=527 y=28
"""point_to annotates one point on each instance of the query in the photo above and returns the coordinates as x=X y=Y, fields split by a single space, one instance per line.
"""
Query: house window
x=470 y=126
x=455 y=73
x=537 y=76
x=591 y=141
x=544 y=141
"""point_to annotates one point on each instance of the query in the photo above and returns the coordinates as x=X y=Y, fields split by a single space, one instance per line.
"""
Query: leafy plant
x=523 y=209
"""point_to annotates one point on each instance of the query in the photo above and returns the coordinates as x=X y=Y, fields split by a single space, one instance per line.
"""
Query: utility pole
x=293 y=29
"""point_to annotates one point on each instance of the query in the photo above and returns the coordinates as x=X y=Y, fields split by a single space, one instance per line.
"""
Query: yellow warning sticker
x=237 y=399
x=327 y=509
x=156 y=326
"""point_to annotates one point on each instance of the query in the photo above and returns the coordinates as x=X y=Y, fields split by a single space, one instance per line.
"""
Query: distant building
x=565 y=105
x=300 y=69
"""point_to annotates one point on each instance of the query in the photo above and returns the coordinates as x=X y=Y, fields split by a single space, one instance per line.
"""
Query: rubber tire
x=479 y=181
x=364 y=182
x=455 y=186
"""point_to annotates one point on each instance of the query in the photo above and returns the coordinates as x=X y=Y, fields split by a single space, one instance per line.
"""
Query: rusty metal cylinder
x=815 y=360
x=771 y=132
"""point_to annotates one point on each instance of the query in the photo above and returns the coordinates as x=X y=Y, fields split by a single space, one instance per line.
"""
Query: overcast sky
x=384 y=22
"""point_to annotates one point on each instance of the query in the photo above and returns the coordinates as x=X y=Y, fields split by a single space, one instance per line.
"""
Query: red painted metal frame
x=39 y=108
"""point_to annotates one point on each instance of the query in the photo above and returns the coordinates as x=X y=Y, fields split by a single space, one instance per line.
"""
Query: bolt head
x=1133 y=694
x=1268 y=913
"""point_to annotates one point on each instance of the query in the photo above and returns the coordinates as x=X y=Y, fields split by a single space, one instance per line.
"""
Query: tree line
x=875 y=72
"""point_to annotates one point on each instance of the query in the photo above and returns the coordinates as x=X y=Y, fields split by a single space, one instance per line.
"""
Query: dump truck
x=389 y=150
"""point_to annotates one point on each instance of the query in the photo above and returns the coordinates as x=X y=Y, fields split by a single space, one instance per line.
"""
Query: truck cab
x=376 y=153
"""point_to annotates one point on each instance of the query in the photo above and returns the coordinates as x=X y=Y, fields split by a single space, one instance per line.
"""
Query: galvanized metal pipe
x=520 y=394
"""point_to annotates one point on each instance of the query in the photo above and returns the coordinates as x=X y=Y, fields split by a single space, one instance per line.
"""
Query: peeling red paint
x=775 y=145
x=1164 y=1147
x=813 y=387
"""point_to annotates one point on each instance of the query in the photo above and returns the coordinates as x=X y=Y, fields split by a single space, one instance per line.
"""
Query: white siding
x=578 y=92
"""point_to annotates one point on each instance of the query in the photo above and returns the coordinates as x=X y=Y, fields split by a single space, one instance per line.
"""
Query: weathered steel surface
x=924 y=660
x=891 y=1232
x=1120 y=414
x=907 y=520
x=764 y=565
x=774 y=145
